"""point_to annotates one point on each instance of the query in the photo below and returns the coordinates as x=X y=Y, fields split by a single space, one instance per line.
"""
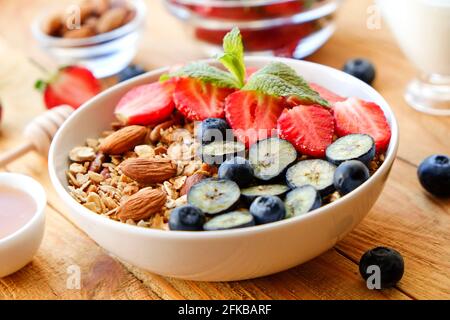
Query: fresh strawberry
x=326 y=94
x=198 y=100
x=358 y=116
x=252 y=115
x=72 y=85
x=146 y=104
x=309 y=128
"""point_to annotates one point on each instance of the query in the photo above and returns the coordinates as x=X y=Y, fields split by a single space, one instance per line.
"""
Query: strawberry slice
x=252 y=115
x=72 y=85
x=309 y=128
x=326 y=94
x=146 y=104
x=358 y=116
x=198 y=100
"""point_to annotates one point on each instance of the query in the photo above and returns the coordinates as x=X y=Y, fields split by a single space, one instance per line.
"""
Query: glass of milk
x=422 y=28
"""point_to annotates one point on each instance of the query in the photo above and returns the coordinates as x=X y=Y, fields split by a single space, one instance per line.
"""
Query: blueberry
x=186 y=218
x=434 y=175
x=361 y=69
x=212 y=129
x=130 y=72
x=388 y=260
x=237 y=169
x=349 y=175
x=267 y=209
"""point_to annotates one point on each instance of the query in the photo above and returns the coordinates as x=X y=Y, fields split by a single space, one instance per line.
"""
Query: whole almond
x=83 y=32
x=111 y=19
x=190 y=181
x=142 y=205
x=148 y=170
x=123 y=140
x=53 y=25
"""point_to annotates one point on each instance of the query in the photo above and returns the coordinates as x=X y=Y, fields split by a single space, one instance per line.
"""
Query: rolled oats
x=95 y=177
x=81 y=154
x=75 y=168
x=144 y=151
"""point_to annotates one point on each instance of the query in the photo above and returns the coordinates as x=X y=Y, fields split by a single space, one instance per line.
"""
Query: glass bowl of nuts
x=101 y=35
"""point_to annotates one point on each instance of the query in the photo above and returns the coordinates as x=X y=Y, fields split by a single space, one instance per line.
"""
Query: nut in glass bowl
x=289 y=28
x=100 y=35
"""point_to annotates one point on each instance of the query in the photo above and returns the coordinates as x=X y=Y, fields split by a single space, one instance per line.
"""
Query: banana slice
x=270 y=157
x=219 y=151
x=318 y=173
x=301 y=201
x=251 y=193
x=214 y=196
x=351 y=147
x=230 y=220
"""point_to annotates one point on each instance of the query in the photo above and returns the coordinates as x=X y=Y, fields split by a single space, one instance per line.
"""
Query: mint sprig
x=280 y=80
x=206 y=73
x=232 y=57
x=275 y=79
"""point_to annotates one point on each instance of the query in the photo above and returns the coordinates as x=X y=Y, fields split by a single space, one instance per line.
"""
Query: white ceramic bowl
x=17 y=249
x=221 y=255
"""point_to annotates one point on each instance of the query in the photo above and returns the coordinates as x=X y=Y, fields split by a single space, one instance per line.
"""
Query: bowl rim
x=49 y=41
x=231 y=3
x=175 y=234
x=316 y=13
x=40 y=198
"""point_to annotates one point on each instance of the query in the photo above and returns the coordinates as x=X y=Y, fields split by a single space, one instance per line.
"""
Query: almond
x=142 y=205
x=148 y=170
x=190 y=181
x=123 y=140
x=111 y=19
x=53 y=25
x=83 y=32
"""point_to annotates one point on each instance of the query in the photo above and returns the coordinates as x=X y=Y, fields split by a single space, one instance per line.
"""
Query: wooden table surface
x=404 y=218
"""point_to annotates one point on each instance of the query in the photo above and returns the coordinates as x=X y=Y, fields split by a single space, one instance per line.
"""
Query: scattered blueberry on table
x=434 y=175
x=389 y=261
x=130 y=72
x=360 y=68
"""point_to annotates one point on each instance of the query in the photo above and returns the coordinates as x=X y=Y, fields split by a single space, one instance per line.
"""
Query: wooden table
x=405 y=217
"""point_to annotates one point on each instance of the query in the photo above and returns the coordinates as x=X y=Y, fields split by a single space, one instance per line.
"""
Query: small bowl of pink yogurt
x=22 y=221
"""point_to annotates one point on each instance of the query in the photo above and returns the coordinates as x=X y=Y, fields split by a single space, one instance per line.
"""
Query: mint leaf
x=280 y=80
x=205 y=73
x=233 y=56
x=40 y=85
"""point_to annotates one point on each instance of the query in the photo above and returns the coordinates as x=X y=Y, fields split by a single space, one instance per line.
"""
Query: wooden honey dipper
x=39 y=133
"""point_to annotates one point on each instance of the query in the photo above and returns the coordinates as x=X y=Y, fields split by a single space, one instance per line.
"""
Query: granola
x=97 y=181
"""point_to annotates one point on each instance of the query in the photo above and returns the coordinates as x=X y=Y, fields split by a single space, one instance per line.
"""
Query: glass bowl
x=104 y=54
x=290 y=28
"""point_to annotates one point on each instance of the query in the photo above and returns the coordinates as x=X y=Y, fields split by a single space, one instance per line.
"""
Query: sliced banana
x=301 y=201
x=214 y=196
x=318 y=173
x=270 y=157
